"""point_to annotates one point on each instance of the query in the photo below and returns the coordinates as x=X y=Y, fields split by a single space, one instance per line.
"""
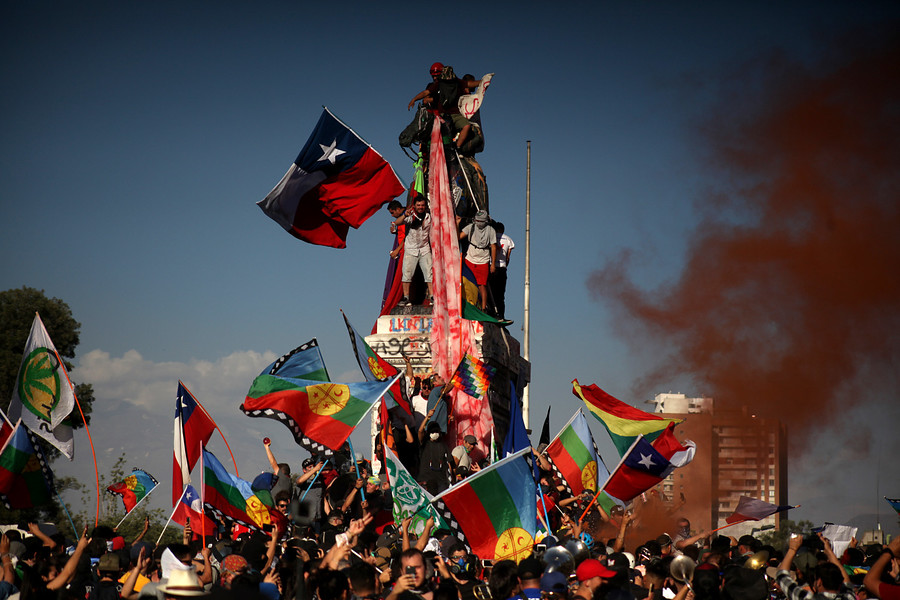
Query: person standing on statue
x=416 y=247
x=497 y=279
x=481 y=253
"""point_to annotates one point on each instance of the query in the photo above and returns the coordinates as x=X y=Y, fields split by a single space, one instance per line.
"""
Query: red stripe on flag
x=357 y=193
x=570 y=471
x=473 y=519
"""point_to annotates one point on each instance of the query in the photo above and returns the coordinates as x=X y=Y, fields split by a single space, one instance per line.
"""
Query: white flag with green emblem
x=43 y=396
x=410 y=498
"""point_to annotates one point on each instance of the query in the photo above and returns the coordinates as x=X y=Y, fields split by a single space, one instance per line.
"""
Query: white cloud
x=134 y=405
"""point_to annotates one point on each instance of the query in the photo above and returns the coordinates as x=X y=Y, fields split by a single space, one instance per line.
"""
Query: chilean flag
x=646 y=464
x=191 y=507
x=193 y=427
x=337 y=182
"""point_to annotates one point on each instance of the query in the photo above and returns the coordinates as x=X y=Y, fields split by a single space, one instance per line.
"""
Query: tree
x=17 y=308
x=112 y=510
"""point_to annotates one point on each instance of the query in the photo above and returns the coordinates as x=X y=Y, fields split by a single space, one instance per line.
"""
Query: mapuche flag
x=574 y=456
x=320 y=415
x=303 y=362
x=375 y=368
x=43 y=396
x=133 y=488
x=623 y=422
x=336 y=182
x=25 y=477
x=231 y=496
x=496 y=508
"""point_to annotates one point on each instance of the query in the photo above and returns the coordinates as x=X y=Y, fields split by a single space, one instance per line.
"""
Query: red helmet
x=437 y=68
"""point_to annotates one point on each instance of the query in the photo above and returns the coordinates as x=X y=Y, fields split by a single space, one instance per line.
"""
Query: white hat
x=183 y=582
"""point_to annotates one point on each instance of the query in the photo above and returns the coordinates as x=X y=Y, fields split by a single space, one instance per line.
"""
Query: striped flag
x=133 y=488
x=25 y=477
x=496 y=508
x=623 y=422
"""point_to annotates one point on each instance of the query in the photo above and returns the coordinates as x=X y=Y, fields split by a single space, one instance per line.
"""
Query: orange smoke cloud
x=786 y=302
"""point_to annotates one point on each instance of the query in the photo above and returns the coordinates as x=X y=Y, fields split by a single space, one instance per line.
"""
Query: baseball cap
x=470 y=439
x=554 y=582
x=591 y=567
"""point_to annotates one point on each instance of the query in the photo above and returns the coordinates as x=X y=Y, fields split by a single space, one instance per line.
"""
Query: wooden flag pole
x=90 y=439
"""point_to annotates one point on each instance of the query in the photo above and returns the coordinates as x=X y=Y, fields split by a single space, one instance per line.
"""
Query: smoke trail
x=791 y=289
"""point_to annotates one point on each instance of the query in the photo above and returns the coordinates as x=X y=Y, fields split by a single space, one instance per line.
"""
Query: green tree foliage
x=17 y=308
x=778 y=538
x=112 y=510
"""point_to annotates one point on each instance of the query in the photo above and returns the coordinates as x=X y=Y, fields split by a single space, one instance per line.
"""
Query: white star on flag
x=331 y=152
x=646 y=461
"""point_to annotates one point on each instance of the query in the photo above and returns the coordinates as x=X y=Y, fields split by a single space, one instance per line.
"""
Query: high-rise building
x=738 y=454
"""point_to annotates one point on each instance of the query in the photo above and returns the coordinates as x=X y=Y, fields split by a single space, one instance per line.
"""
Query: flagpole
x=90 y=439
x=744 y=521
x=613 y=472
x=362 y=489
x=526 y=321
x=170 y=518
x=537 y=484
x=136 y=505
x=71 y=522
x=316 y=476
x=206 y=412
x=202 y=498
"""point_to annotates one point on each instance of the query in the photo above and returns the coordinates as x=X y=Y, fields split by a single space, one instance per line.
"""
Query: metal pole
x=526 y=320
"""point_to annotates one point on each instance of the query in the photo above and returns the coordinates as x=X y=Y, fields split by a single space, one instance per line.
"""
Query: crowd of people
x=342 y=544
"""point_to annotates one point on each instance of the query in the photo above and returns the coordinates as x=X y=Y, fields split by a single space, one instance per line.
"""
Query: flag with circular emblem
x=496 y=508
x=43 y=395
x=574 y=457
x=375 y=368
x=323 y=412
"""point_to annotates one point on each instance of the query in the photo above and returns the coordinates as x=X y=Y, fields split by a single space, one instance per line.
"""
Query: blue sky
x=138 y=137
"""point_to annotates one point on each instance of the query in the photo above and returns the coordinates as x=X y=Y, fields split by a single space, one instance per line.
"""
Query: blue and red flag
x=645 y=465
x=193 y=427
x=190 y=507
x=375 y=368
x=753 y=509
x=337 y=182
x=25 y=477
x=133 y=488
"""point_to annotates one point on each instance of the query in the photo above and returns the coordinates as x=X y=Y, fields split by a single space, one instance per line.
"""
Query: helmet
x=588 y=539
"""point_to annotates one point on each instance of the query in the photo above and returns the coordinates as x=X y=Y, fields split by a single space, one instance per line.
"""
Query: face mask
x=480 y=225
x=434 y=436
